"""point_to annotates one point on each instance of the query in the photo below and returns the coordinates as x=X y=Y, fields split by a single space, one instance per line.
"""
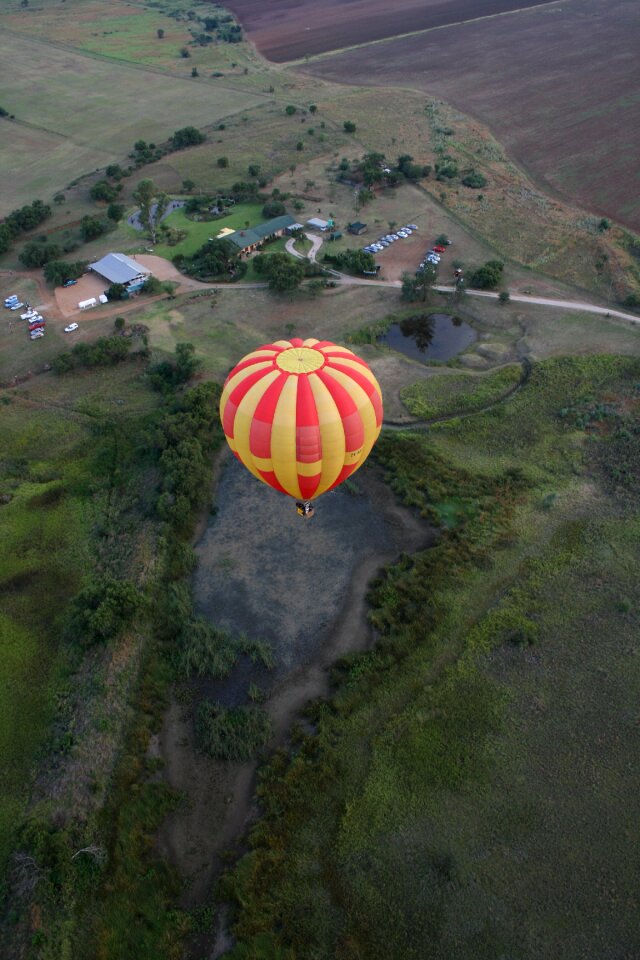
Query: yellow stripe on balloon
x=283 y=438
x=366 y=411
x=331 y=434
x=244 y=417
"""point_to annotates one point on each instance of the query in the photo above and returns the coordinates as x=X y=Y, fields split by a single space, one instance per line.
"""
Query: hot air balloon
x=301 y=415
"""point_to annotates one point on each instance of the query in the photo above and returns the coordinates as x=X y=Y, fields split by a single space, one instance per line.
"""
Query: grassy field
x=45 y=471
x=467 y=794
x=199 y=232
x=443 y=396
x=66 y=101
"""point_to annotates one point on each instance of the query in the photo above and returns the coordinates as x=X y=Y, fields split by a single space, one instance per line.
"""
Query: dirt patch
x=88 y=286
x=285 y=31
x=302 y=586
x=549 y=91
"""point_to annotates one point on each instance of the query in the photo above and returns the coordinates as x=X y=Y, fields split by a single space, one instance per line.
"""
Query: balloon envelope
x=301 y=415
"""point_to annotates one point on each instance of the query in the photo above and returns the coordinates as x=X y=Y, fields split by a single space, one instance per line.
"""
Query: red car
x=37 y=326
x=439 y=248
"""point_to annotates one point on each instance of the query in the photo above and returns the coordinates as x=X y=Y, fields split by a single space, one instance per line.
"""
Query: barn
x=119 y=268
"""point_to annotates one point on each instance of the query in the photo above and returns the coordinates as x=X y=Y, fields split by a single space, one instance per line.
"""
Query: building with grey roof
x=119 y=268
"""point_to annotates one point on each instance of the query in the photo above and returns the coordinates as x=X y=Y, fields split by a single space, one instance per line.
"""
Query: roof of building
x=253 y=235
x=356 y=227
x=118 y=268
x=317 y=222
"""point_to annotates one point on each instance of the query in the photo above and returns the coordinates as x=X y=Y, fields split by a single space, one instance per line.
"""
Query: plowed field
x=289 y=29
x=558 y=85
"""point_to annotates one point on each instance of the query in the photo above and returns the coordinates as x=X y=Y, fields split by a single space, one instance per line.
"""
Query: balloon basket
x=305 y=509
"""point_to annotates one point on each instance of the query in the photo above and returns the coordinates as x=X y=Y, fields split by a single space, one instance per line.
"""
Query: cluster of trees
x=105 y=352
x=144 y=152
x=36 y=254
x=446 y=168
x=474 y=179
x=215 y=260
x=488 y=276
x=418 y=285
x=374 y=168
x=21 y=221
x=282 y=271
x=167 y=375
x=352 y=261
x=57 y=272
x=92 y=227
x=189 y=432
x=103 y=191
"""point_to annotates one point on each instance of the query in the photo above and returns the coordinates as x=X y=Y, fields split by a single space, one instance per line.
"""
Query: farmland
x=565 y=112
x=282 y=33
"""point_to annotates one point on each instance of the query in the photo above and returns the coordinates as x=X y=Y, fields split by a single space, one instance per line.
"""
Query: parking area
x=406 y=250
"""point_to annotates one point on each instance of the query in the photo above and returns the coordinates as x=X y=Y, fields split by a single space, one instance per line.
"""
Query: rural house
x=119 y=268
x=253 y=237
x=357 y=228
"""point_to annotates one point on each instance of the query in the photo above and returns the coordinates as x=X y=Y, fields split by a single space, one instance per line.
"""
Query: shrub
x=504 y=296
x=187 y=137
x=349 y=126
x=232 y=734
x=290 y=110
x=474 y=179
x=36 y=254
x=223 y=162
x=101 y=610
x=488 y=276
x=273 y=208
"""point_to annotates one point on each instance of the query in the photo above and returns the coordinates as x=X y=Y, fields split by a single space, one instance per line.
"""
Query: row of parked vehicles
x=35 y=321
x=433 y=256
x=379 y=245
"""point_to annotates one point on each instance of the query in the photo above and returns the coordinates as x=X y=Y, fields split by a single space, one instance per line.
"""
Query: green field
x=75 y=113
x=199 y=232
x=448 y=395
x=467 y=793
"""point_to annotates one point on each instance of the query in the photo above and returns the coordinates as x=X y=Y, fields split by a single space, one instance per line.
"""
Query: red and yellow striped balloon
x=301 y=415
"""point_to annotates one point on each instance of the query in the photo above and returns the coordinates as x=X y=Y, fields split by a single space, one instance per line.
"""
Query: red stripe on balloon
x=366 y=385
x=269 y=477
x=344 y=473
x=308 y=486
x=262 y=422
x=347 y=409
x=236 y=397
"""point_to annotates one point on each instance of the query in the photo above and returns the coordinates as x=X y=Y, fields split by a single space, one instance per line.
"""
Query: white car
x=412 y=226
x=36 y=334
x=16 y=306
x=403 y=234
x=71 y=328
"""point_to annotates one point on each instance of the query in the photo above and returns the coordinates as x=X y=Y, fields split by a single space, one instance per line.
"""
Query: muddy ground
x=299 y=584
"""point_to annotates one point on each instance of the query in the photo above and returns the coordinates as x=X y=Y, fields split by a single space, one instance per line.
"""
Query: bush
x=488 y=276
x=103 y=191
x=349 y=126
x=234 y=734
x=282 y=271
x=101 y=610
x=115 y=212
x=187 y=137
x=290 y=110
x=504 y=296
x=474 y=179
x=273 y=208
x=91 y=228
x=56 y=272
x=223 y=162
x=36 y=254
x=169 y=374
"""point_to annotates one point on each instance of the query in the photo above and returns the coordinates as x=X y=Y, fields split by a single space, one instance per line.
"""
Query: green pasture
x=75 y=112
x=44 y=529
x=468 y=790
x=449 y=394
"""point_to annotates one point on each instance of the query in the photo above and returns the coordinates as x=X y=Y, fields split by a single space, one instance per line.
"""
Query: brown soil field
x=558 y=85
x=284 y=30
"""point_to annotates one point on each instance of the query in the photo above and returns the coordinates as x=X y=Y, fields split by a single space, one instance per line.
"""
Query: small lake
x=432 y=336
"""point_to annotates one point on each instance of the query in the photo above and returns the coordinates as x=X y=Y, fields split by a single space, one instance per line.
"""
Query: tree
x=504 y=296
x=254 y=169
x=187 y=136
x=442 y=240
x=312 y=108
x=119 y=324
x=57 y=272
x=299 y=145
x=223 y=162
x=488 y=276
x=36 y=254
x=59 y=198
x=474 y=179
x=354 y=261
x=349 y=126
x=273 y=208
x=188 y=185
x=115 y=212
x=282 y=271
x=91 y=228
x=194 y=72
x=117 y=291
x=417 y=287
x=144 y=195
x=604 y=225
x=184 y=53
x=290 y=110
x=160 y=33
x=101 y=610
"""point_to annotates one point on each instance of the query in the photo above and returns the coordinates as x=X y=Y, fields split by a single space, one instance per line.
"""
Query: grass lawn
x=199 y=232
x=445 y=395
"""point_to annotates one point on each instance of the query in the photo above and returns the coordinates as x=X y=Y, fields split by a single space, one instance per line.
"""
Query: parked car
x=9 y=301
x=439 y=248
x=412 y=226
x=16 y=306
x=69 y=283
x=71 y=328
x=36 y=334
x=403 y=234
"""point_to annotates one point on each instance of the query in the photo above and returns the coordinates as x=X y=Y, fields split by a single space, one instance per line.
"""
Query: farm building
x=253 y=237
x=119 y=268
x=357 y=228
x=317 y=224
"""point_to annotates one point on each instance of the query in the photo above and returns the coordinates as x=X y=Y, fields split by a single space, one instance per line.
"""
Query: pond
x=433 y=336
